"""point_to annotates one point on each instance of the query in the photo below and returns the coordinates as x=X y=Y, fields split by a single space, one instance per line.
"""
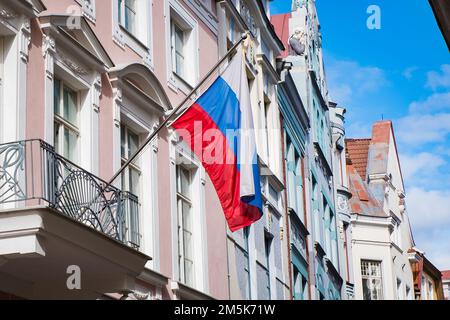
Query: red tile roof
x=281 y=24
x=357 y=152
x=446 y=275
x=362 y=201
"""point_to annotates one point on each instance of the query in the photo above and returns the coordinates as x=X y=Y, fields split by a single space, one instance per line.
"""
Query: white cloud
x=422 y=131
x=408 y=72
x=419 y=129
x=435 y=102
x=439 y=79
x=435 y=243
x=347 y=79
x=443 y=150
x=428 y=208
x=419 y=165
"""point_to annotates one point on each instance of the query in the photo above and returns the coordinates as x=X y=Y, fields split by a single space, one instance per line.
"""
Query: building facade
x=258 y=267
x=446 y=284
x=427 y=278
x=300 y=31
x=83 y=84
x=295 y=126
x=343 y=196
x=381 y=232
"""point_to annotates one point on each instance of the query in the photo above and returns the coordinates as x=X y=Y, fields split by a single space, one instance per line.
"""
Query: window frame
x=122 y=9
x=268 y=244
x=267 y=105
x=294 y=171
x=174 y=26
x=400 y=295
x=300 y=285
x=369 y=277
x=177 y=13
x=395 y=235
x=246 y=236
x=139 y=40
x=181 y=228
x=60 y=122
x=134 y=165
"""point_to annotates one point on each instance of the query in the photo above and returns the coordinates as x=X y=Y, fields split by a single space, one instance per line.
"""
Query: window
x=427 y=289
x=133 y=27
x=408 y=293
x=178 y=49
x=316 y=211
x=424 y=289
x=185 y=226
x=231 y=33
x=399 y=290
x=321 y=133
x=430 y=290
x=331 y=233
x=129 y=143
x=266 y=128
x=181 y=46
x=396 y=232
x=297 y=285
x=371 y=280
x=66 y=130
x=300 y=286
x=327 y=224
x=127 y=15
x=295 y=180
x=267 y=249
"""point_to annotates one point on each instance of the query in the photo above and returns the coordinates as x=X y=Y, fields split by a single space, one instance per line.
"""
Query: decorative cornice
x=7 y=14
x=49 y=51
x=322 y=159
x=117 y=104
x=75 y=67
x=183 y=291
x=48 y=45
x=140 y=295
x=118 y=36
x=25 y=40
x=96 y=93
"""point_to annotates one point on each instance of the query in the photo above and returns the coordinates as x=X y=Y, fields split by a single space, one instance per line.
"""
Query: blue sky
x=400 y=72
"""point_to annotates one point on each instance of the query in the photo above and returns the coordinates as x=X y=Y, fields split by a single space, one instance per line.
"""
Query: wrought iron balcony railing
x=32 y=173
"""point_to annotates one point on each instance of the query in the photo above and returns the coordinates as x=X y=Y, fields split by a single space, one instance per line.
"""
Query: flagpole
x=174 y=111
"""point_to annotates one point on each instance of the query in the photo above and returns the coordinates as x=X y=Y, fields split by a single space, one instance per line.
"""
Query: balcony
x=60 y=215
x=31 y=173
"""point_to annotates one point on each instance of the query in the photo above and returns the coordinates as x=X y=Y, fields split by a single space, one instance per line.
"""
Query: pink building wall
x=208 y=55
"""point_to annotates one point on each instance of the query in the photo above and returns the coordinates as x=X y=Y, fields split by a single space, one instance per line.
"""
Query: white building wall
x=370 y=241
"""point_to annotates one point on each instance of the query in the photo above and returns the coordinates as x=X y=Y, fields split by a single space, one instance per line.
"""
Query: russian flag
x=218 y=128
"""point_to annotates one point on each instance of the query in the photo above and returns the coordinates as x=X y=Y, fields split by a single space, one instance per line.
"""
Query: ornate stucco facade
x=381 y=232
x=83 y=83
x=300 y=31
